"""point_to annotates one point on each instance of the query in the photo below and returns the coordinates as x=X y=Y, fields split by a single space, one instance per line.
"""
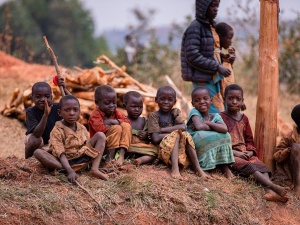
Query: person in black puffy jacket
x=199 y=62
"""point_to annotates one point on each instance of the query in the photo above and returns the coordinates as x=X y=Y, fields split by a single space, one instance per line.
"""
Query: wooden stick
x=54 y=58
x=101 y=207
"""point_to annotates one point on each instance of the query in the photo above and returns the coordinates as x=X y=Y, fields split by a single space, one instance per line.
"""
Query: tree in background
x=66 y=24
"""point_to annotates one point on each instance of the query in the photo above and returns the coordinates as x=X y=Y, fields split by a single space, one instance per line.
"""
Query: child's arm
x=219 y=127
x=61 y=82
x=72 y=176
x=198 y=124
x=157 y=137
x=283 y=149
x=111 y=122
x=244 y=155
x=39 y=129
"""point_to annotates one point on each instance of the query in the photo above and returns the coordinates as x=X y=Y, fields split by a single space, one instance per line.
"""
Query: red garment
x=242 y=140
x=96 y=121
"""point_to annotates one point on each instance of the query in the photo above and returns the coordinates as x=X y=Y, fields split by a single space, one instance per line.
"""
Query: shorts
x=42 y=146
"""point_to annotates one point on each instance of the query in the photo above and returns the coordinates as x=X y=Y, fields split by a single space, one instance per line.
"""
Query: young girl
x=70 y=143
x=226 y=33
x=140 y=143
x=246 y=162
x=167 y=130
x=209 y=132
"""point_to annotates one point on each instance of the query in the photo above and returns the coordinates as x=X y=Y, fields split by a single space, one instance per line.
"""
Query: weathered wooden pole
x=267 y=100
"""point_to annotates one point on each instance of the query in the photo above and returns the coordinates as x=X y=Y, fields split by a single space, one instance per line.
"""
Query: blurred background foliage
x=70 y=31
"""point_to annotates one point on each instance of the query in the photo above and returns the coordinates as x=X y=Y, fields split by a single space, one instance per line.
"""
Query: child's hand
x=249 y=153
x=112 y=122
x=143 y=135
x=61 y=82
x=242 y=155
x=72 y=176
x=224 y=71
x=47 y=108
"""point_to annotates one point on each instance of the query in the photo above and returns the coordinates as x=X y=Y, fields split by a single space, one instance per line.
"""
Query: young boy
x=40 y=120
x=70 y=143
x=287 y=155
x=140 y=143
x=107 y=119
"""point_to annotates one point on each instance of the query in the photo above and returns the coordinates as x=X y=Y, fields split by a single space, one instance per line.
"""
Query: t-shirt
x=34 y=116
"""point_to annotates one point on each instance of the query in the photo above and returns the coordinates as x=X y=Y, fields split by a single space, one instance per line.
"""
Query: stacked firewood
x=83 y=84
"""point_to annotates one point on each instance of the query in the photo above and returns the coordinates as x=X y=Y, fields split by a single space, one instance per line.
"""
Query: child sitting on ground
x=167 y=129
x=287 y=156
x=226 y=33
x=246 y=162
x=107 y=119
x=69 y=141
x=40 y=120
x=209 y=133
x=140 y=143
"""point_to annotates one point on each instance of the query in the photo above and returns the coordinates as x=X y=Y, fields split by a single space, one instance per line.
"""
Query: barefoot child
x=107 y=119
x=226 y=33
x=167 y=130
x=40 y=120
x=69 y=141
x=209 y=132
x=246 y=162
x=140 y=143
x=287 y=155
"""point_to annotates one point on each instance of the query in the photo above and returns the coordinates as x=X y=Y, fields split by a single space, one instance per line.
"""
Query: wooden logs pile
x=83 y=84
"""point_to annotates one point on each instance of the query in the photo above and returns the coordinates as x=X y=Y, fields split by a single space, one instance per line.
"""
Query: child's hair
x=295 y=114
x=131 y=94
x=65 y=98
x=223 y=29
x=165 y=88
x=40 y=84
x=103 y=89
x=235 y=87
x=198 y=89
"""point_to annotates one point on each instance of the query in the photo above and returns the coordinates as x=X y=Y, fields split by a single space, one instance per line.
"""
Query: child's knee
x=32 y=140
x=100 y=136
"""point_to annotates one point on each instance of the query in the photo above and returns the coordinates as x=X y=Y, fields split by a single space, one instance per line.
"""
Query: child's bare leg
x=263 y=178
x=143 y=160
x=32 y=144
x=174 y=160
x=47 y=160
x=191 y=153
x=98 y=142
x=120 y=160
x=110 y=155
x=225 y=169
x=295 y=168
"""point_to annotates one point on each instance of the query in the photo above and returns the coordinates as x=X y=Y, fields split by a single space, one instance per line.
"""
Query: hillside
x=29 y=194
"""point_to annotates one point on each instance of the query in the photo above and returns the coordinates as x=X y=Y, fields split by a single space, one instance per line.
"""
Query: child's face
x=108 y=103
x=70 y=111
x=134 y=107
x=212 y=9
x=165 y=100
x=226 y=41
x=234 y=100
x=39 y=95
x=201 y=100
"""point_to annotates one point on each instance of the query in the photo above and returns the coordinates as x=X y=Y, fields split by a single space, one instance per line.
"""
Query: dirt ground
x=147 y=195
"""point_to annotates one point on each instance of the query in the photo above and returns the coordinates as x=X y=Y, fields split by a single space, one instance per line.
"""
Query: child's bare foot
x=204 y=175
x=136 y=162
x=297 y=191
x=273 y=196
x=98 y=174
x=282 y=191
x=119 y=161
x=229 y=175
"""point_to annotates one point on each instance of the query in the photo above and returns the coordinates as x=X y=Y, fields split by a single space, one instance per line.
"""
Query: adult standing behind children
x=40 y=120
x=107 y=119
x=197 y=53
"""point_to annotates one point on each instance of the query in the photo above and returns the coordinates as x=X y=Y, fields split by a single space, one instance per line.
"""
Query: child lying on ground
x=140 y=143
x=69 y=142
x=246 y=162
x=167 y=129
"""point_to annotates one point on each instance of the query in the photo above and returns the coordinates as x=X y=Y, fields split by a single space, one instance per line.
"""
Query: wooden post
x=267 y=100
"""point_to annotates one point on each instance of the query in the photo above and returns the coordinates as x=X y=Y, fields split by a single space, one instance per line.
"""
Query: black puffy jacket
x=197 y=47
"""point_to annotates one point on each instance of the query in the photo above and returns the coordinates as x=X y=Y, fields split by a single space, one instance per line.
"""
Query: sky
x=116 y=14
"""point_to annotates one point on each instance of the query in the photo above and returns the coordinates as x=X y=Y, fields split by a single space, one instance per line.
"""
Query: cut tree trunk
x=267 y=101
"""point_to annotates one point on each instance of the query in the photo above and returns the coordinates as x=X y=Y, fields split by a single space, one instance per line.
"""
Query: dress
x=74 y=144
x=283 y=173
x=213 y=148
x=242 y=140
x=166 y=146
x=34 y=116
x=142 y=147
